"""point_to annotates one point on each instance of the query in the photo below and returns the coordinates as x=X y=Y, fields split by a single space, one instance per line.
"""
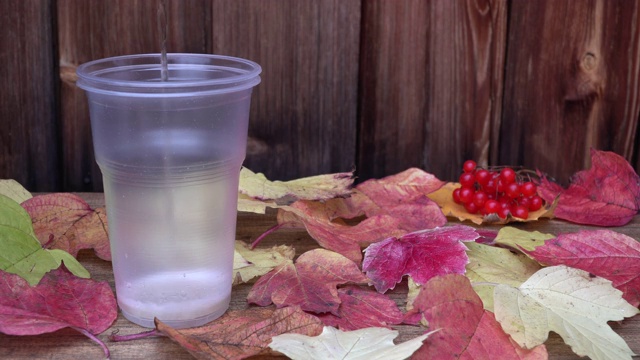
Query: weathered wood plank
x=93 y=29
x=303 y=117
x=431 y=84
x=571 y=83
x=28 y=109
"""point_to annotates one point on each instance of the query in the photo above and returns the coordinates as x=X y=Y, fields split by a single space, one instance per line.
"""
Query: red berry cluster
x=496 y=192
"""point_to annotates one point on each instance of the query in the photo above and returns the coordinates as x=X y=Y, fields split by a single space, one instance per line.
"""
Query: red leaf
x=421 y=254
x=362 y=308
x=604 y=253
x=311 y=283
x=608 y=194
x=467 y=331
x=60 y=300
x=65 y=221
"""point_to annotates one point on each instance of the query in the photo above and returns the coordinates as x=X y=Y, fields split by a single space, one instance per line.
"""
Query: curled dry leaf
x=362 y=308
x=257 y=262
x=364 y=344
x=421 y=254
x=604 y=253
x=570 y=302
x=241 y=334
x=311 y=283
x=65 y=221
x=466 y=330
x=608 y=194
x=444 y=199
x=257 y=192
x=60 y=300
x=13 y=190
x=21 y=253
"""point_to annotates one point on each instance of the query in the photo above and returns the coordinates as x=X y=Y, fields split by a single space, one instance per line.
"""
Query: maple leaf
x=570 y=302
x=518 y=239
x=362 y=308
x=249 y=264
x=421 y=254
x=60 y=300
x=467 y=331
x=20 y=251
x=65 y=221
x=604 y=253
x=241 y=334
x=364 y=344
x=608 y=194
x=256 y=192
x=443 y=197
x=311 y=283
x=13 y=190
x=489 y=265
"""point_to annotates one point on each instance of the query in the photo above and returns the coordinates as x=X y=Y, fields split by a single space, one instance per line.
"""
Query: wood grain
x=69 y=344
x=431 y=84
x=28 y=105
x=571 y=83
x=303 y=114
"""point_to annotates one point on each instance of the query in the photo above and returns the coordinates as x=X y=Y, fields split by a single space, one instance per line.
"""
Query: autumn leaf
x=520 y=239
x=20 y=251
x=362 y=308
x=364 y=344
x=608 y=194
x=604 y=253
x=65 y=221
x=257 y=262
x=489 y=265
x=443 y=197
x=242 y=333
x=257 y=192
x=60 y=300
x=311 y=283
x=421 y=254
x=569 y=302
x=467 y=331
x=13 y=190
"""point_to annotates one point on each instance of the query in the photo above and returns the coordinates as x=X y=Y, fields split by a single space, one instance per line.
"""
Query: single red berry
x=456 y=196
x=503 y=213
x=536 y=203
x=507 y=175
x=469 y=166
x=482 y=177
x=520 y=212
x=512 y=190
x=471 y=207
x=466 y=195
x=479 y=198
x=524 y=201
x=528 y=188
x=491 y=187
x=467 y=180
x=501 y=186
x=491 y=206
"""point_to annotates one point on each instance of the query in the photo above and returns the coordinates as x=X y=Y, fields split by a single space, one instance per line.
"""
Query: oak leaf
x=364 y=344
x=251 y=263
x=311 y=283
x=608 y=194
x=60 y=300
x=362 y=308
x=65 y=221
x=421 y=254
x=467 y=331
x=242 y=333
x=604 y=253
x=570 y=302
x=13 y=190
x=20 y=251
x=256 y=192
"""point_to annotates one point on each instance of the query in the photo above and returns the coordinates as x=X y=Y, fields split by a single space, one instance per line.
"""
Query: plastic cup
x=170 y=153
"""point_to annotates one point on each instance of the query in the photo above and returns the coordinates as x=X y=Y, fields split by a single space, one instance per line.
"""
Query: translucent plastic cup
x=170 y=153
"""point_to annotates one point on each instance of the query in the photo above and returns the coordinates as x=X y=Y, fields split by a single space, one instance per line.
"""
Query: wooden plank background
x=372 y=85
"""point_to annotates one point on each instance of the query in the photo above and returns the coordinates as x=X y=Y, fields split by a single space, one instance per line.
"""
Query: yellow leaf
x=516 y=238
x=13 y=190
x=249 y=264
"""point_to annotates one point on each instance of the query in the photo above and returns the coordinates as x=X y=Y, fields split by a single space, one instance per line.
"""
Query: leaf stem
x=95 y=339
x=484 y=283
x=142 y=335
x=264 y=234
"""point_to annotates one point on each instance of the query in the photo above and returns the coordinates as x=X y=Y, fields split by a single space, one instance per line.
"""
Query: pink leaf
x=604 y=253
x=467 y=331
x=608 y=194
x=421 y=254
x=362 y=308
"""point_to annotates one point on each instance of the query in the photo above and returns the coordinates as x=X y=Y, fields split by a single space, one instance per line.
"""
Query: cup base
x=176 y=324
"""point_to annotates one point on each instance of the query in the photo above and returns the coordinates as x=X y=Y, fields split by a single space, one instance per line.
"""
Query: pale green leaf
x=251 y=263
x=516 y=238
x=13 y=190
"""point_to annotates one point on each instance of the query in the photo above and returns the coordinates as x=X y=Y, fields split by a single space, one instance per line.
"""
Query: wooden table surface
x=69 y=344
